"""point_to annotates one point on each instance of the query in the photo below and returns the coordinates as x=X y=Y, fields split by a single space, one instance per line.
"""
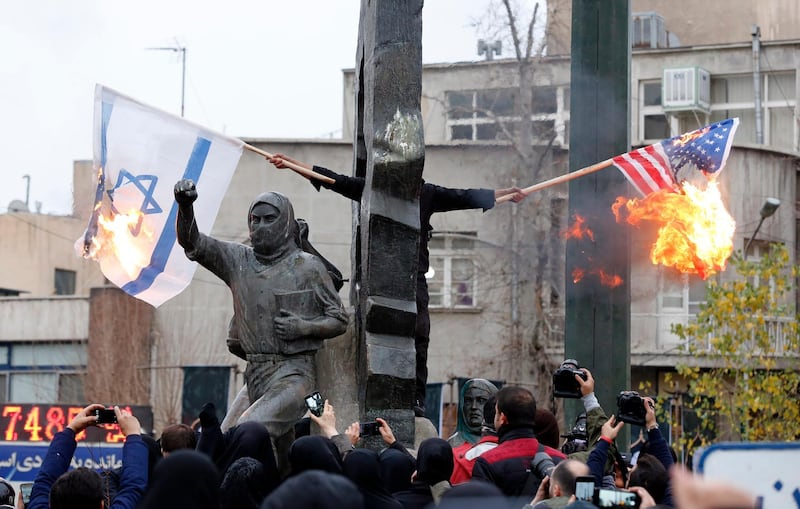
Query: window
x=681 y=293
x=65 y=282
x=655 y=125
x=42 y=372
x=757 y=250
x=731 y=96
x=452 y=276
x=475 y=115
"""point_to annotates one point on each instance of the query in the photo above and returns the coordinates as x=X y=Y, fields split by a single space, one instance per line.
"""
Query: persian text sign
x=770 y=469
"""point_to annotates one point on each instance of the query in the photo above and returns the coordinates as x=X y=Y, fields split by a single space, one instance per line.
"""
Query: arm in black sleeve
x=445 y=199
x=349 y=187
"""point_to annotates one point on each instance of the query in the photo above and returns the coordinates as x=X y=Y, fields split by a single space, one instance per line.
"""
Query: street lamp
x=182 y=50
x=769 y=208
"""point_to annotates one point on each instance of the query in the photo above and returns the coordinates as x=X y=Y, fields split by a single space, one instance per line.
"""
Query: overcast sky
x=253 y=69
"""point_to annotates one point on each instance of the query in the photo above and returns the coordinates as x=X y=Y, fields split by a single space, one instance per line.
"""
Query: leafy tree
x=747 y=330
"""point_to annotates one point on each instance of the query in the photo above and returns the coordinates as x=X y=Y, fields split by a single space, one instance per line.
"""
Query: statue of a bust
x=474 y=394
x=284 y=306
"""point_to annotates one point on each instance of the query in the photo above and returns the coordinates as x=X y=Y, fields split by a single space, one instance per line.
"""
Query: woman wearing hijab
x=396 y=468
x=185 y=479
x=432 y=478
x=317 y=489
x=363 y=468
x=314 y=452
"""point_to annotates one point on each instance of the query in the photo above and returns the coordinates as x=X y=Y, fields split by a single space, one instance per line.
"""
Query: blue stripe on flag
x=160 y=256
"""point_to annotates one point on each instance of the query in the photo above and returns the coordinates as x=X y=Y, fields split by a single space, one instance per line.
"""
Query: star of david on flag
x=657 y=166
x=139 y=154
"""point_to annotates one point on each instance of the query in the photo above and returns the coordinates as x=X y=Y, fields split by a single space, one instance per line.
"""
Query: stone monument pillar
x=389 y=154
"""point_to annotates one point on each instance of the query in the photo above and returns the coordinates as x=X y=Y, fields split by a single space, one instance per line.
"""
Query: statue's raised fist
x=185 y=192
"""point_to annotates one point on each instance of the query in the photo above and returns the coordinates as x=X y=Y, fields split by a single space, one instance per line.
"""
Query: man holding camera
x=55 y=487
x=507 y=464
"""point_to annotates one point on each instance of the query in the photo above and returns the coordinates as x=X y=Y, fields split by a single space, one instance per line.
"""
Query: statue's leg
x=281 y=403
x=239 y=405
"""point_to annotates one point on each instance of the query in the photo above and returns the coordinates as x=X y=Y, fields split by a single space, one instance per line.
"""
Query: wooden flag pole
x=302 y=170
x=557 y=180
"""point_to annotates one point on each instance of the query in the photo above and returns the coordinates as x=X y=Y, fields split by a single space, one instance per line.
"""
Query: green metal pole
x=597 y=315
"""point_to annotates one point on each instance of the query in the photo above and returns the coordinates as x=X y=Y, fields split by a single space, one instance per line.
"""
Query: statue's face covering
x=271 y=223
x=474 y=399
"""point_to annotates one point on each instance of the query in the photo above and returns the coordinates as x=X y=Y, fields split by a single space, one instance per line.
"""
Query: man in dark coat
x=432 y=199
x=519 y=462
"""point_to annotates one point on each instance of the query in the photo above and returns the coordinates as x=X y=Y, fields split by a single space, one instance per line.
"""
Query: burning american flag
x=656 y=166
x=695 y=230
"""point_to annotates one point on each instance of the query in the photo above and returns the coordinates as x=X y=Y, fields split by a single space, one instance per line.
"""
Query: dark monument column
x=598 y=317
x=389 y=153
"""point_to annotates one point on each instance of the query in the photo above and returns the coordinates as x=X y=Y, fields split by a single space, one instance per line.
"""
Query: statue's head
x=271 y=223
x=474 y=395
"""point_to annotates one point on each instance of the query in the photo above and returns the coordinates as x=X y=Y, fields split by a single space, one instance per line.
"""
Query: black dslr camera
x=630 y=408
x=564 y=383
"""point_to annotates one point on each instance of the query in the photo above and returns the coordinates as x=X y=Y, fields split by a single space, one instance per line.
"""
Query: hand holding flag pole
x=557 y=180
x=656 y=166
x=295 y=166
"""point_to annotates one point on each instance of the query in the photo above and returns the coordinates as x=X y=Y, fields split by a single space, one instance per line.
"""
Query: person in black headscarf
x=314 y=452
x=363 y=468
x=475 y=494
x=247 y=440
x=432 y=478
x=315 y=489
x=186 y=479
x=245 y=485
x=396 y=468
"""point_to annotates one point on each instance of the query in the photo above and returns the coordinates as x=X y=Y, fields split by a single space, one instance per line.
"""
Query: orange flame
x=579 y=230
x=114 y=238
x=606 y=279
x=687 y=137
x=696 y=231
x=611 y=280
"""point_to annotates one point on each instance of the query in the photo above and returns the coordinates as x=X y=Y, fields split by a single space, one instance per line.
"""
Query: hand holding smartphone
x=315 y=403
x=370 y=429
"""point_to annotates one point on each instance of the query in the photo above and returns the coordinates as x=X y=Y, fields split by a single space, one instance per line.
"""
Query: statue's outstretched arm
x=186 y=227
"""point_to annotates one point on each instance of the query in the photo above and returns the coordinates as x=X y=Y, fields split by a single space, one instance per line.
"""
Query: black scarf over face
x=272 y=242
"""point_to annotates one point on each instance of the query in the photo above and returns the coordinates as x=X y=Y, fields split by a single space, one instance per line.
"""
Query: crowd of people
x=506 y=453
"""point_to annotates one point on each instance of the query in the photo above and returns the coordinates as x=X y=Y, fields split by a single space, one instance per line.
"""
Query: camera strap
x=532 y=483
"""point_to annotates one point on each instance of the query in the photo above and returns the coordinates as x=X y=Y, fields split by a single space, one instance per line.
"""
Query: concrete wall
x=34 y=245
x=44 y=319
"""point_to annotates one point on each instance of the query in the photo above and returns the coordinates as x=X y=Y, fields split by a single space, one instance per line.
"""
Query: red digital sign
x=40 y=423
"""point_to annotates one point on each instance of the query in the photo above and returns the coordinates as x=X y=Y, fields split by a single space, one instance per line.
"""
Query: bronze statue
x=474 y=394
x=284 y=306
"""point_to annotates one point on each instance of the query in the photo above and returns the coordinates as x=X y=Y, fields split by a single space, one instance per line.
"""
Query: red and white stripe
x=647 y=169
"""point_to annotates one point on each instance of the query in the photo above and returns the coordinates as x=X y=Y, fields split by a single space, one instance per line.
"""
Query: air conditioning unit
x=686 y=89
